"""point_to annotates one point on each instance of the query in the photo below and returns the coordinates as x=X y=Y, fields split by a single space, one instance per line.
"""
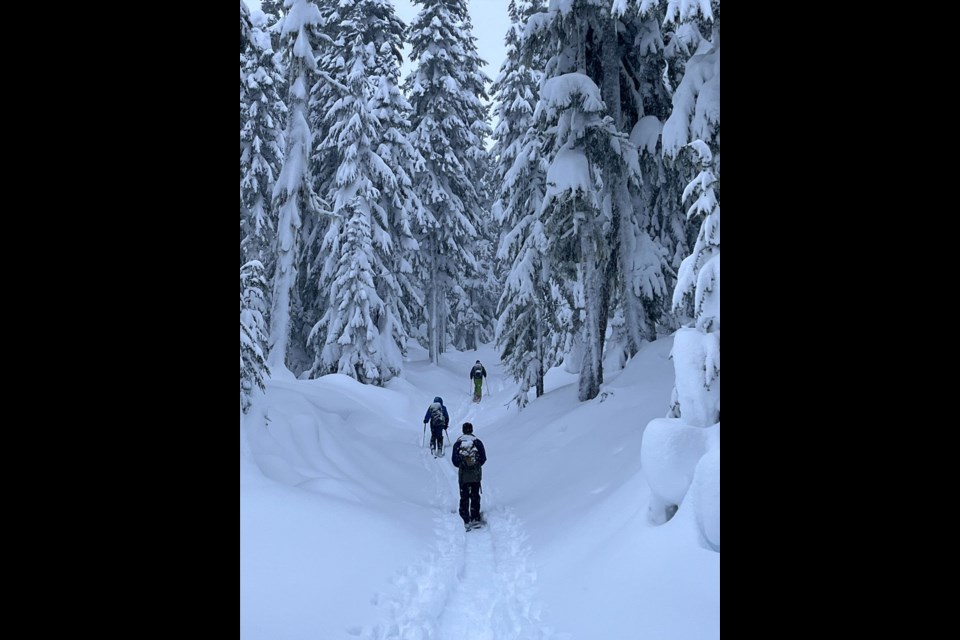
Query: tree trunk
x=613 y=180
x=284 y=281
x=288 y=227
x=432 y=312
x=541 y=351
x=590 y=369
x=441 y=322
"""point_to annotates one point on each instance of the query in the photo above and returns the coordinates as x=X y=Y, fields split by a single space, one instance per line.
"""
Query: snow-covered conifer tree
x=261 y=146
x=604 y=78
x=448 y=128
x=691 y=138
x=525 y=313
x=401 y=205
x=244 y=48
x=358 y=252
x=593 y=166
x=294 y=197
x=692 y=133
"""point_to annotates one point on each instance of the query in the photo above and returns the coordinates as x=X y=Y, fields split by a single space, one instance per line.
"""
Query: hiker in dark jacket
x=477 y=374
x=467 y=449
x=439 y=420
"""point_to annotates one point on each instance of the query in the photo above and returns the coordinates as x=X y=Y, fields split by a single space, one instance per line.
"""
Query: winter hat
x=467 y=427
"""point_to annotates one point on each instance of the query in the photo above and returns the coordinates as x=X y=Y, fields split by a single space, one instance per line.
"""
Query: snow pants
x=436 y=438
x=470 y=501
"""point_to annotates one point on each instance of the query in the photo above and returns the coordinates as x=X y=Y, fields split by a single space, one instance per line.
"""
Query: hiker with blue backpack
x=469 y=456
x=439 y=419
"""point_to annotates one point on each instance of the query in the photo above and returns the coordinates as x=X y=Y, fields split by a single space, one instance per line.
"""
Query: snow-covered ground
x=349 y=526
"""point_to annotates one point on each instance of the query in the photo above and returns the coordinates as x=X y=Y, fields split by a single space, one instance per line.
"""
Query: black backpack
x=477 y=371
x=436 y=416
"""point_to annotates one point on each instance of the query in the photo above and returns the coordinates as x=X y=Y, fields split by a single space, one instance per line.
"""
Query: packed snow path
x=475 y=585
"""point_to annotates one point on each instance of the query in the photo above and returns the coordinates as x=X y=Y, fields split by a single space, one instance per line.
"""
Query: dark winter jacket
x=446 y=416
x=469 y=475
x=478 y=371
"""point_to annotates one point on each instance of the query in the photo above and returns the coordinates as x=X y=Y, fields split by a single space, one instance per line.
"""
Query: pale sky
x=490 y=24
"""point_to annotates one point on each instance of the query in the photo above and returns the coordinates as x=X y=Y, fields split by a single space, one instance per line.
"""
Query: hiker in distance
x=439 y=420
x=477 y=374
x=469 y=456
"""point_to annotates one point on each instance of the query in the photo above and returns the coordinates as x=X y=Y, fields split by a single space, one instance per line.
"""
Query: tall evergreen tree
x=524 y=313
x=692 y=136
x=244 y=48
x=593 y=167
x=382 y=29
x=660 y=51
x=261 y=146
x=604 y=78
x=691 y=143
x=294 y=197
x=388 y=34
x=358 y=244
x=575 y=219
x=650 y=220
x=449 y=123
x=312 y=300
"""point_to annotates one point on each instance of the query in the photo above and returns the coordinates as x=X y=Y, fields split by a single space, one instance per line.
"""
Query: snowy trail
x=473 y=585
